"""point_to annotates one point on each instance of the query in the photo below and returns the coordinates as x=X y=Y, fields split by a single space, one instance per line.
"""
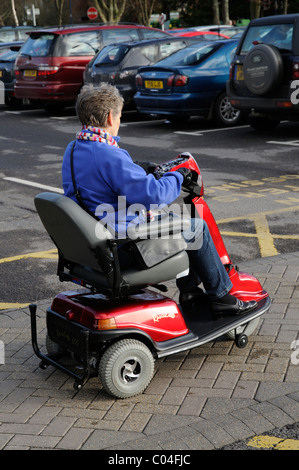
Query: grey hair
x=94 y=104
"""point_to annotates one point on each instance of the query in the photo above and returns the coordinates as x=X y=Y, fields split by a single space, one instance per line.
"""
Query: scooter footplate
x=206 y=328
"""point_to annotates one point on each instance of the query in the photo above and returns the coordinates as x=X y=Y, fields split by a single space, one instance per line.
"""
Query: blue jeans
x=205 y=263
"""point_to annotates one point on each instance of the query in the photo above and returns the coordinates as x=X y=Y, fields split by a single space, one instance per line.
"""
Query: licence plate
x=239 y=72
x=29 y=73
x=153 y=84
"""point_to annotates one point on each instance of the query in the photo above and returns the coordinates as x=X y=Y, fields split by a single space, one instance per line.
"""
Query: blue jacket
x=104 y=172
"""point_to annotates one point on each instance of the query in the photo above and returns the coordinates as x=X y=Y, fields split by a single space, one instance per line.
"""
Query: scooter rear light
x=105 y=324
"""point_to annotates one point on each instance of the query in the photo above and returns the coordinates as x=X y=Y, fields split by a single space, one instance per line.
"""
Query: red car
x=50 y=65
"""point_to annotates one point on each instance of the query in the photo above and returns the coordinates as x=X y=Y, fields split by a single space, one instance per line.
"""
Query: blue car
x=190 y=82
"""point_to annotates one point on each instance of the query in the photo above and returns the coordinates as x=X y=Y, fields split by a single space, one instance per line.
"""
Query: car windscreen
x=279 y=35
x=8 y=56
x=190 y=55
x=111 y=55
x=38 y=45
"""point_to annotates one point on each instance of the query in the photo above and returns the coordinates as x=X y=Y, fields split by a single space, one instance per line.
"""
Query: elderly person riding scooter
x=104 y=172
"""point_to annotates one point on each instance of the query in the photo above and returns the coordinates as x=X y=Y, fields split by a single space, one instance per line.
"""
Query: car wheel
x=224 y=113
x=263 y=123
x=263 y=69
x=126 y=368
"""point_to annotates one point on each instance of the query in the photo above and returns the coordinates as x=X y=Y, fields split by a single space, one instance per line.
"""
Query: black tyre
x=263 y=123
x=263 y=69
x=224 y=113
x=126 y=368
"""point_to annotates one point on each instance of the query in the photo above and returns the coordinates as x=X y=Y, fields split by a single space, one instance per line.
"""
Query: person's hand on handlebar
x=149 y=167
x=187 y=175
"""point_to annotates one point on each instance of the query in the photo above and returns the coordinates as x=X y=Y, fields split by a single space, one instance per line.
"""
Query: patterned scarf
x=96 y=134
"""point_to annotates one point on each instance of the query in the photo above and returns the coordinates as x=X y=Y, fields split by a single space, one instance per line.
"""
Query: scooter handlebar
x=184 y=160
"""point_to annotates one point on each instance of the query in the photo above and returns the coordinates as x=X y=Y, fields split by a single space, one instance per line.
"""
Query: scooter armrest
x=161 y=228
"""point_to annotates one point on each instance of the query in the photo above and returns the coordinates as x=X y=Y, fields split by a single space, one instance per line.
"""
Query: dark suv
x=51 y=63
x=264 y=72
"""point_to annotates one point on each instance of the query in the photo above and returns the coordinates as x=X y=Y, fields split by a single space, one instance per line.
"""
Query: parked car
x=8 y=55
x=228 y=30
x=14 y=33
x=51 y=63
x=190 y=82
x=264 y=69
x=118 y=63
x=204 y=35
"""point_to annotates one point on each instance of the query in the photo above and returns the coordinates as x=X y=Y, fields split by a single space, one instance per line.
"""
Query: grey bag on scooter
x=157 y=241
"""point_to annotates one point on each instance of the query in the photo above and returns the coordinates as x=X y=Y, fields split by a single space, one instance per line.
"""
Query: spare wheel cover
x=263 y=69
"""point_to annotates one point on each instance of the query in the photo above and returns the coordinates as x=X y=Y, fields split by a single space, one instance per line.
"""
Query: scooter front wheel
x=250 y=328
x=126 y=368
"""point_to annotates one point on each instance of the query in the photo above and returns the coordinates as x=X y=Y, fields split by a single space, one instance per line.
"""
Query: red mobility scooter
x=119 y=321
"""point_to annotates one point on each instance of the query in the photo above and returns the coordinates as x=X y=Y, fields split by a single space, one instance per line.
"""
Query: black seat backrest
x=79 y=237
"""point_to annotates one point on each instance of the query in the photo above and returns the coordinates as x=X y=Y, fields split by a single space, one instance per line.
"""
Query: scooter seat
x=87 y=253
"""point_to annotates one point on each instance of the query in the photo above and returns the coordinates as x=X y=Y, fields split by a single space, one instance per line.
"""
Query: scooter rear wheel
x=126 y=368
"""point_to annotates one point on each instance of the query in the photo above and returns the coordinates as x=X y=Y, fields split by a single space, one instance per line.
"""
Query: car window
x=279 y=35
x=78 y=44
x=37 y=45
x=189 y=56
x=151 y=33
x=7 y=35
x=119 y=35
x=22 y=35
x=8 y=56
x=168 y=48
x=111 y=55
x=144 y=55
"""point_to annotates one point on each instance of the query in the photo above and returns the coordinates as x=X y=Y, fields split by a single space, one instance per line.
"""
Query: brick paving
x=201 y=399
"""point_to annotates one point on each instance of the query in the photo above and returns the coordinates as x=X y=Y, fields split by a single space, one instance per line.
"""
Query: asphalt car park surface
x=251 y=184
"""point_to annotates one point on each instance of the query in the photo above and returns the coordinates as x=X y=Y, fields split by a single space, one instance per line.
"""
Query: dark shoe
x=187 y=298
x=239 y=308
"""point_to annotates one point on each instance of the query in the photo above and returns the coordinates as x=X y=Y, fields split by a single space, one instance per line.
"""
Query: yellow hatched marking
x=271 y=442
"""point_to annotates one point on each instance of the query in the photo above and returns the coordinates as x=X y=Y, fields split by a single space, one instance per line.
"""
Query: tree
x=144 y=9
x=216 y=12
x=110 y=11
x=225 y=12
x=14 y=13
x=59 y=7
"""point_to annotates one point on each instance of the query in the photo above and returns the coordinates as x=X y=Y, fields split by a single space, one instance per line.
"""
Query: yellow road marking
x=51 y=254
x=252 y=216
x=263 y=234
x=7 y=305
x=268 y=442
x=265 y=239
